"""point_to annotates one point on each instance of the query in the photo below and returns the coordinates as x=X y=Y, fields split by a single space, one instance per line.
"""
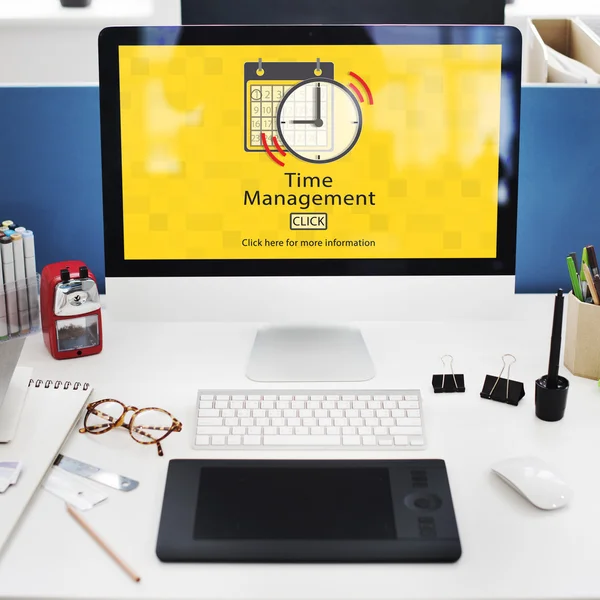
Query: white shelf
x=51 y=12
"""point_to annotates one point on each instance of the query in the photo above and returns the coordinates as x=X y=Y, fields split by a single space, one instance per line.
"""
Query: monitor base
x=310 y=354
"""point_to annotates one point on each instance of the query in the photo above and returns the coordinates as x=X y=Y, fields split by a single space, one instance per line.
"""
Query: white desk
x=510 y=549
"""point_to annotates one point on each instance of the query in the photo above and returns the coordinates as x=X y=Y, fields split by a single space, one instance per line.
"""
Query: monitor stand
x=309 y=354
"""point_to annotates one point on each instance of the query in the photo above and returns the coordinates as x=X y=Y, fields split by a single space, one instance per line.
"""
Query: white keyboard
x=365 y=420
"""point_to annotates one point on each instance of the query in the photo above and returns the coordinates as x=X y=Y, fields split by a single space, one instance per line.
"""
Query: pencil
x=101 y=542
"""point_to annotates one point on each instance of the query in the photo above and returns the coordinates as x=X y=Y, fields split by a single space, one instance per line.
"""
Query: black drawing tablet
x=307 y=511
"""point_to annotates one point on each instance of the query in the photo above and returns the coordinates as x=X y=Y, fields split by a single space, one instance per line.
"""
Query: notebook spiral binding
x=58 y=384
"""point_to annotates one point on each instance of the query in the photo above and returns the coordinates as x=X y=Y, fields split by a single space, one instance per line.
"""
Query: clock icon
x=319 y=120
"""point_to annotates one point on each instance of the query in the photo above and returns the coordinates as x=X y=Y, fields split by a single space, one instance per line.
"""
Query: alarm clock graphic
x=70 y=310
x=319 y=120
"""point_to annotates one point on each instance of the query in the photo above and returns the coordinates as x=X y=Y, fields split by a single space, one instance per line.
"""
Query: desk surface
x=510 y=549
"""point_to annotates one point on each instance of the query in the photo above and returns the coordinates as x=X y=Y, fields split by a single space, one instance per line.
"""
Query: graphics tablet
x=307 y=511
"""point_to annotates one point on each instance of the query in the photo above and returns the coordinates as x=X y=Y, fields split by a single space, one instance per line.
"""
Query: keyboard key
x=344 y=404
x=244 y=412
x=274 y=412
x=209 y=412
x=313 y=404
x=210 y=421
x=317 y=430
x=247 y=422
x=283 y=404
x=252 y=404
x=266 y=430
x=380 y=397
x=252 y=440
x=367 y=412
x=406 y=422
x=236 y=404
x=413 y=404
x=411 y=397
x=351 y=413
x=284 y=430
x=212 y=430
x=396 y=397
x=406 y=431
x=205 y=404
x=365 y=397
x=336 y=413
x=302 y=440
x=305 y=413
x=259 y=413
x=340 y=422
x=321 y=413
x=389 y=404
x=386 y=441
x=202 y=440
x=221 y=404
x=263 y=421
x=348 y=397
x=238 y=431
x=254 y=397
x=234 y=440
x=401 y=440
x=228 y=412
x=238 y=397
x=269 y=397
x=333 y=397
x=374 y=404
x=359 y=404
x=294 y=422
x=365 y=430
x=267 y=404
x=383 y=412
x=356 y=422
x=226 y=397
x=349 y=430
x=218 y=440
x=417 y=441
x=301 y=430
x=413 y=412
x=207 y=397
x=301 y=397
x=351 y=440
x=373 y=422
x=319 y=397
x=310 y=422
x=286 y=397
x=369 y=440
x=328 y=405
x=297 y=405
x=254 y=430
x=289 y=412
x=380 y=430
x=398 y=413
x=326 y=422
x=278 y=422
x=231 y=422
x=333 y=431
x=388 y=422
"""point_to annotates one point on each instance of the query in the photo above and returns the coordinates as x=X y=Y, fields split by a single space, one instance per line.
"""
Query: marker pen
x=22 y=302
x=3 y=320
x=20 y=230
x=8 y=268
x=31 y=274
x=8 y=223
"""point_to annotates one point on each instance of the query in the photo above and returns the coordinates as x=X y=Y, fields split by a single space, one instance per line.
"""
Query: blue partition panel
x=50 y=176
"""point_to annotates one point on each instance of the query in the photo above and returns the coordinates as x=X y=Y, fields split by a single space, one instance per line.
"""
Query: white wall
x=41 y=42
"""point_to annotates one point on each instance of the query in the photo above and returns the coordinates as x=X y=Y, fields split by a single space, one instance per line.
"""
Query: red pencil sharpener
x=70 y=310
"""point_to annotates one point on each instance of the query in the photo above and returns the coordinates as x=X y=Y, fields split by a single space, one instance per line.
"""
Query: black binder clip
x=503 y=390
x=452 y=383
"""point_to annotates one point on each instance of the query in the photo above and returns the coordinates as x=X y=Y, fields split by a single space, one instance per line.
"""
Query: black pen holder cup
x=550 y=404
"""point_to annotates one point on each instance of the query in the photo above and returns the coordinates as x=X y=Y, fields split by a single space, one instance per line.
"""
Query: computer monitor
x=283 y=174
x=342 y=12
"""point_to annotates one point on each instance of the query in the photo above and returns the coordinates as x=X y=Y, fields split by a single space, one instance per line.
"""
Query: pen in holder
x=448 y=382
x=19 y=308
x=501 y=389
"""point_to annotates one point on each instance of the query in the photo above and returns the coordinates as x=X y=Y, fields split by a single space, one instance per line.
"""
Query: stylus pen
x=31 y=274
x=8 y=268
x=21 y=283
x=552 y=381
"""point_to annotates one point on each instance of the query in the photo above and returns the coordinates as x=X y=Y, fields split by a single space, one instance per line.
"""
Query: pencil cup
x=582 y=340
x=19 y=308
x=550 y=404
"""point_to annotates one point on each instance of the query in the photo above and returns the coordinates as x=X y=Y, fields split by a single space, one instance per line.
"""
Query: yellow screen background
x=429 y=151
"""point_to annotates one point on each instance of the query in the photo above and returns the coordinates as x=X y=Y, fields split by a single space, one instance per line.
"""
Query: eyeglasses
x=146 y=426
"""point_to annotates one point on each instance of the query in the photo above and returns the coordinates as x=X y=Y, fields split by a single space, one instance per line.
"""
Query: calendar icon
x=265 y=85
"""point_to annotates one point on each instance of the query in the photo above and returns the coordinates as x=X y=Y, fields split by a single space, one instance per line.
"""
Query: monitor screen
x=293 y=12
x=396 y=150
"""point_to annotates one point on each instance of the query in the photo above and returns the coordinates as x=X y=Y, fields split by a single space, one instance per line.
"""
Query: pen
x=31 y=274
x=8 y=268
x=590 y=281
x=21 y=283
x=571 y=265
x=552 y=380
x=584 y=288
x=592 y=261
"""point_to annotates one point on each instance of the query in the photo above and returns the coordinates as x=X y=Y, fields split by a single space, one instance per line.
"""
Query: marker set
x=19 y=304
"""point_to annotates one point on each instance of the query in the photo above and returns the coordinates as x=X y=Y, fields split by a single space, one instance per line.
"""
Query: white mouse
x=534 y=480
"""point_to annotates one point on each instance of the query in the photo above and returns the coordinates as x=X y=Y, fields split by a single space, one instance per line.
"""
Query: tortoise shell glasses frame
x=146 y=435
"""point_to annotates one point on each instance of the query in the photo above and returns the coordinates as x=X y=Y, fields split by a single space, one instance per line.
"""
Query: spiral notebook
x=51 y=411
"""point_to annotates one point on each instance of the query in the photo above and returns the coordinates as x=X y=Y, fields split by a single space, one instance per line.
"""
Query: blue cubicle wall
x=50 y=176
